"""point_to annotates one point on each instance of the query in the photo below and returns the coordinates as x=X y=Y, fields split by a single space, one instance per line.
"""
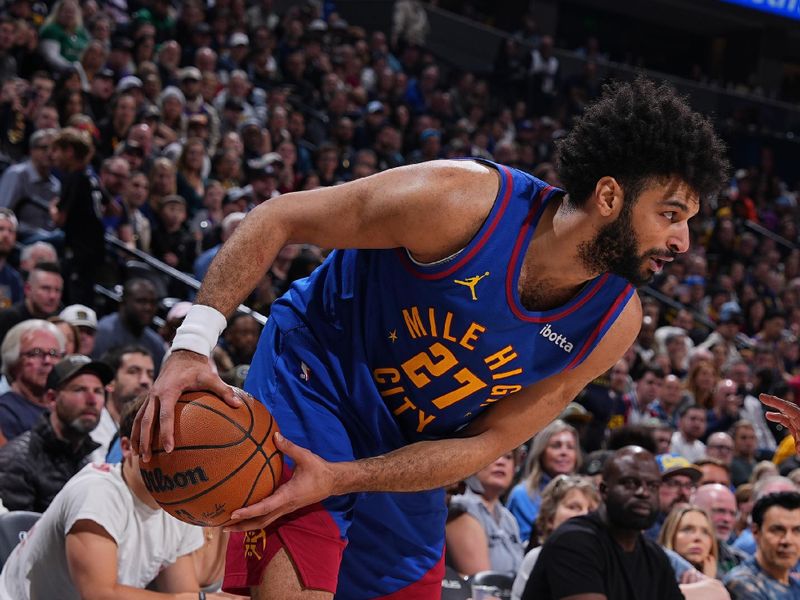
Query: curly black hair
x=637 y=131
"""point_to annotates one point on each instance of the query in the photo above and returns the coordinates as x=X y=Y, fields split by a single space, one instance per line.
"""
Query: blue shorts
x=394 y=541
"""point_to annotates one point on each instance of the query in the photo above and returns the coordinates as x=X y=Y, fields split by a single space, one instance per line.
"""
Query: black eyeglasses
x=40 y=353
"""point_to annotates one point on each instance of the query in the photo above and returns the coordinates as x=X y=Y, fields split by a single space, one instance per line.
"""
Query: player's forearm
x=420 y=466
x=243 y=260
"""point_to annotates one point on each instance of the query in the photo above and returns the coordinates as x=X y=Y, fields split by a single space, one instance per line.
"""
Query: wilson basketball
x=224 y=458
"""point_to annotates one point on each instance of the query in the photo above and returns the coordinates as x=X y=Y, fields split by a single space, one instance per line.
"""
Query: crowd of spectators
x=162 y=124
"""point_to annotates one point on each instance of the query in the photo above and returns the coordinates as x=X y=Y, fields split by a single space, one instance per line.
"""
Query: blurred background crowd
x=137 y=134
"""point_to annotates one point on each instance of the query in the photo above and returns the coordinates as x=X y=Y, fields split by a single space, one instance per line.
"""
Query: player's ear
x=607 y=197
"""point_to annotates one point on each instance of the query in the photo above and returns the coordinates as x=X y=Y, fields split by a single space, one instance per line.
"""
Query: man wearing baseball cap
x=35 y=465
x=679 y=480
x=85 y=319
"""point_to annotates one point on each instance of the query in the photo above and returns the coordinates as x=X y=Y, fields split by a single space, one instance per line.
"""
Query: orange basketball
x=224 y=458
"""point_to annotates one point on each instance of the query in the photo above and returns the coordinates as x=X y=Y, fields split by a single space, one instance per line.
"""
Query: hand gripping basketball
x=183 y=370
x=313 y=480
x=224 y=459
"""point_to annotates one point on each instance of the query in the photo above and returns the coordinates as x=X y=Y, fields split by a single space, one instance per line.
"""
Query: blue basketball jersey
x=440 y=343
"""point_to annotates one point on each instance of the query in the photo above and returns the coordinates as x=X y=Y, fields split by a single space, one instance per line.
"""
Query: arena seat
x=454 y=586
x=500 y=580
x=13 y=526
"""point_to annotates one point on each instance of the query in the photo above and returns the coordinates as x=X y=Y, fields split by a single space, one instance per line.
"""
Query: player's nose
x=679 y=238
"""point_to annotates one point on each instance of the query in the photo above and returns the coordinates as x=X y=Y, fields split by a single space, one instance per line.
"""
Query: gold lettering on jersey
x=471 y=335
x=438 y=362
x=414 y=323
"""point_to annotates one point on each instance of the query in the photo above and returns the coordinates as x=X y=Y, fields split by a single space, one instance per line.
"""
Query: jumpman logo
x=471 y=282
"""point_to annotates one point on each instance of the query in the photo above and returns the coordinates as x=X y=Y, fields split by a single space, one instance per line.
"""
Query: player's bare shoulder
x=459 y=195
x=467 y=181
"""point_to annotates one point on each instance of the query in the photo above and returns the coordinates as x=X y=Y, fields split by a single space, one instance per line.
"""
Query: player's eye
x=670 y=215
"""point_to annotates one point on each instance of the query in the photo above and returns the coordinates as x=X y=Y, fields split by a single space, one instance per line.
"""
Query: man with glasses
x=28 y=187
x=679 y=480
x=29 y=351
x=36 y=465
x=720 y=447
x=720 y=504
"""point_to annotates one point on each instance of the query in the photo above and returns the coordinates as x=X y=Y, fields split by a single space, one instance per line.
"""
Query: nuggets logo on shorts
x=255 y=542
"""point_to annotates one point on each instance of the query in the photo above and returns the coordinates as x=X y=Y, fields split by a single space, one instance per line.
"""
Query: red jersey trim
x=625 y=295
x=511 y=298
x=415 y=270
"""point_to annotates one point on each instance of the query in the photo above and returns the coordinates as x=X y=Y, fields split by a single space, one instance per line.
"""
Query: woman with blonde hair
x=555 y=451
x=700 y=383
x=63 y=38
x=689 y=532
x=566 y=496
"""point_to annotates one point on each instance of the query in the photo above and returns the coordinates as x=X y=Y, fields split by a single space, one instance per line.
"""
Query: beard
x=615 y=249
x=75 y=427
x=82 y=426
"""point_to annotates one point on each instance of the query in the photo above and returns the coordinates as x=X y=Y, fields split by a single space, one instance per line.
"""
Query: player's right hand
x=183 y=370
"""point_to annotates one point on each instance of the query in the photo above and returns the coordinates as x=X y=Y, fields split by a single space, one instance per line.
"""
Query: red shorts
x=309 y=536
x=312 y=540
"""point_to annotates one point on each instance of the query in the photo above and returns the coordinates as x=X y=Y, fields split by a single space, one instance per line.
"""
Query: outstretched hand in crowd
x=786 y=413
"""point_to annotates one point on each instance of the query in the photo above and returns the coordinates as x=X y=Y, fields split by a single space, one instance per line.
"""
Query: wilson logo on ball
x=156 y=481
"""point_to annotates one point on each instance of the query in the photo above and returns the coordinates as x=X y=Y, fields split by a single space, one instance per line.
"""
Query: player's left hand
x=313 y=480
x=786 y=413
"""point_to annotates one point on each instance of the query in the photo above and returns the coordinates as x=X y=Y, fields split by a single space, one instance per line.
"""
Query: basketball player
x=479 y=302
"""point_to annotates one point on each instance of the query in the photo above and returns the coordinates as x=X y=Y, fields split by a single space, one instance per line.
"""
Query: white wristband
x=200 y=330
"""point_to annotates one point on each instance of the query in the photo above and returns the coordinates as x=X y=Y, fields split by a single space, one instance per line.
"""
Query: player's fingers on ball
x=166 y=416
x=290 y=448
x=214 y=384
x=250 y=524
x=137 y=423
x=147 y=421
x=260 y=508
